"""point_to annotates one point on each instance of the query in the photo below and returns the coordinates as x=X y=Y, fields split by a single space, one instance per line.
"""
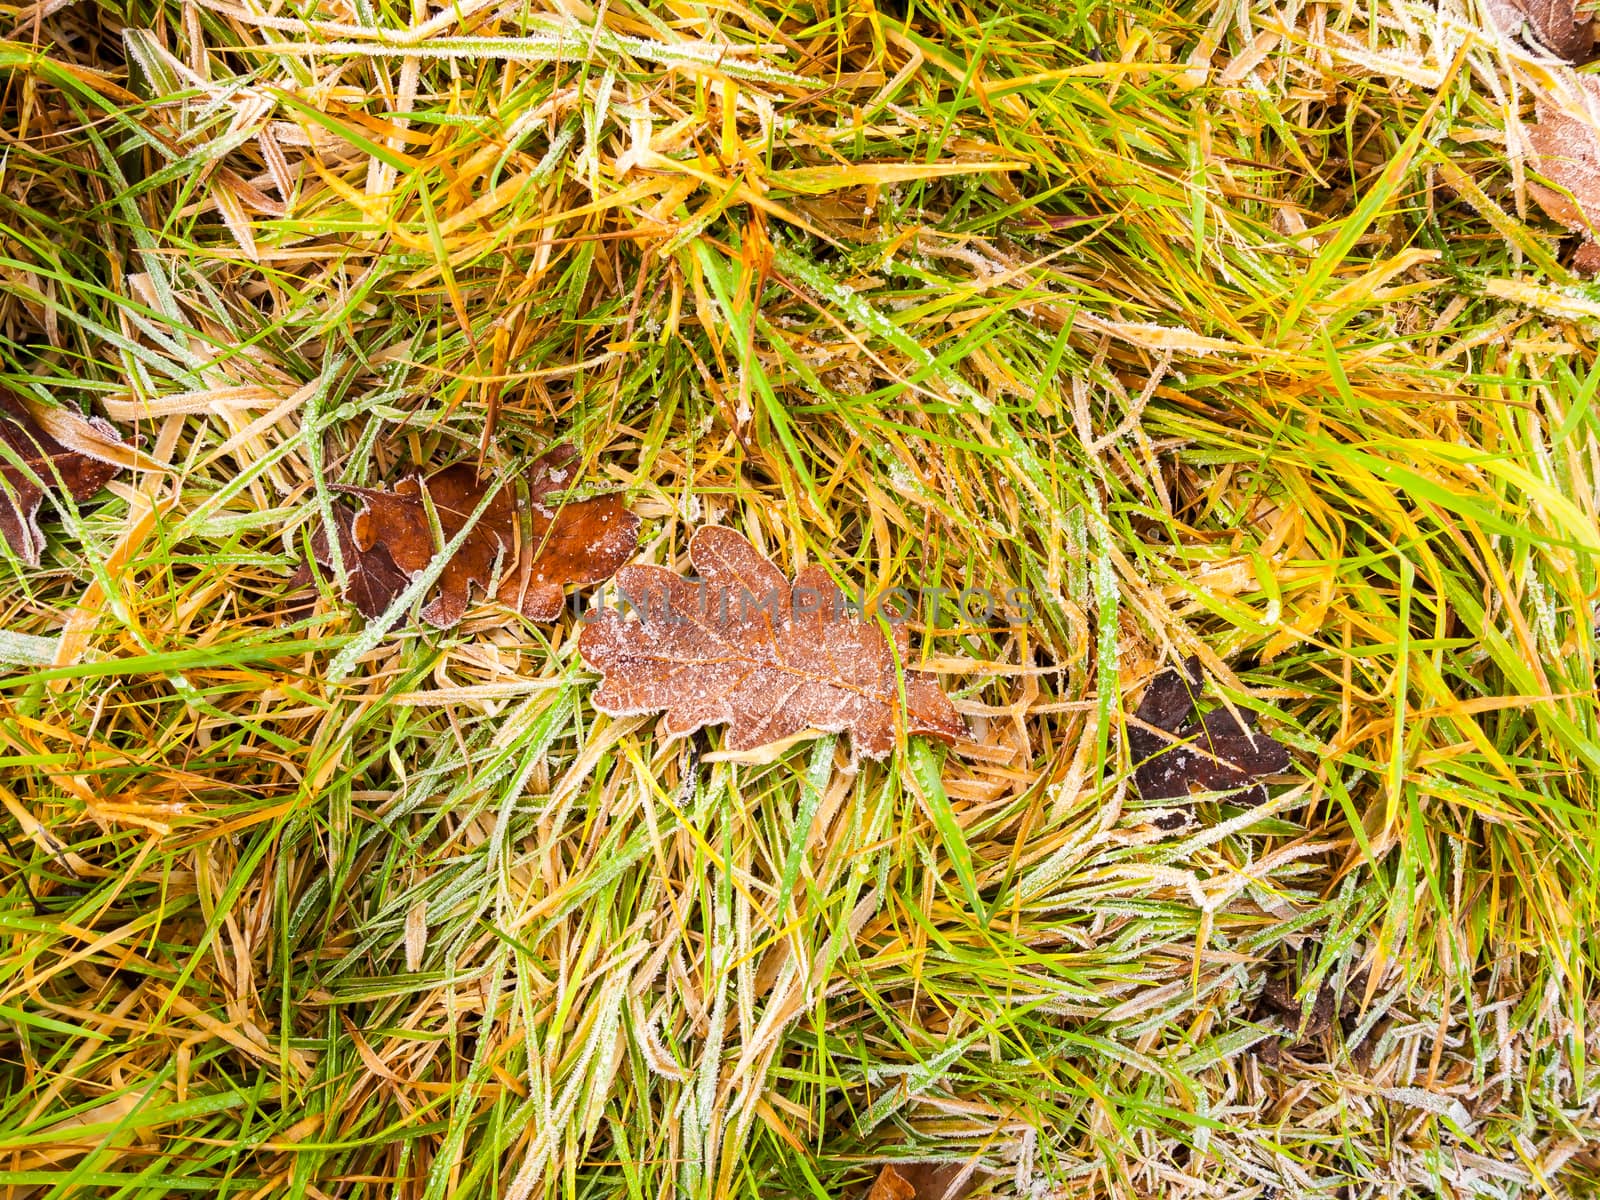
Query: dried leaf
x=1566 y=151
x=416 y=935
x=921 y=1181
x=1552 y=25
x=1175 y=755
x=1277 y=999
x=372 y=580
x=891 y=1185
x=744 y=647
x=582 y=542
x=398 y=522
x=528 y=567
x=49 y=465
x=1327 y=1005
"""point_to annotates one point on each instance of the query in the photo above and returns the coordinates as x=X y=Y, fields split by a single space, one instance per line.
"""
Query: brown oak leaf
x=389 y=540
x=1553 y=25
x=1174 y=754
x=47 y=465
x=743 y=646
x=1566 y=151
x=398 y=522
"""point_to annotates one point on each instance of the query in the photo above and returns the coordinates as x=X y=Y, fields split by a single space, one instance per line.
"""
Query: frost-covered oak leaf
x=1557 y=26
x=1566 y=152
x=744 y=647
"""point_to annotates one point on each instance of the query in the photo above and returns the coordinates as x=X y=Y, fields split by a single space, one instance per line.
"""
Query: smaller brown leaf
x=744 y=647
x=49 y=466
x=398 y=522
x=576 y=542
x=1586 y=258
x=1175 y=755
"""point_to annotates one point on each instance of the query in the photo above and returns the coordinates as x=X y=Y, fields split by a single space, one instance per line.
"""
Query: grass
x=1221 y=330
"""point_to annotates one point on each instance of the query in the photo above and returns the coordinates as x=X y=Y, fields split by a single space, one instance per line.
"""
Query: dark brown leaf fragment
x=1329 y=1005
x=1278 y=1000
x=742 y=646
x=1175 y=755
x=579 y=542
x=891 y=1185
x=47 y=465
x=398 y=522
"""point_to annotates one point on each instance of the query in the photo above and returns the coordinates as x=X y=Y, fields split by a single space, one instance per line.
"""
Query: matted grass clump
x=1219 y=330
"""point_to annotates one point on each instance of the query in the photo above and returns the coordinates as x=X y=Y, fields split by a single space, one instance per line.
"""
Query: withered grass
x=1223 y=330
